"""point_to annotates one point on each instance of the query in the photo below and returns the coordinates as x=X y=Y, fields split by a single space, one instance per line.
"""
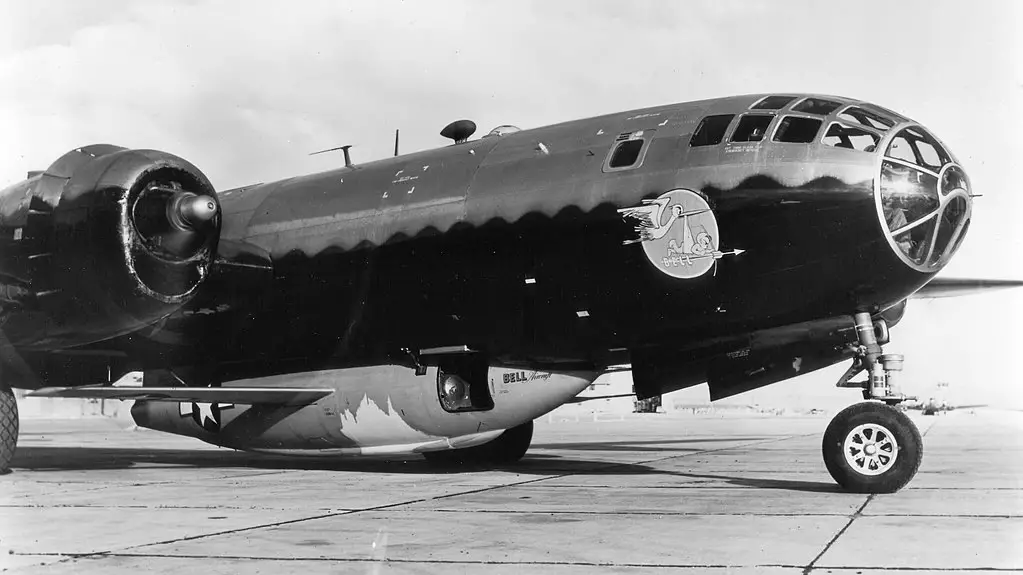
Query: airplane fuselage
x=448 y=297
x=514 y=245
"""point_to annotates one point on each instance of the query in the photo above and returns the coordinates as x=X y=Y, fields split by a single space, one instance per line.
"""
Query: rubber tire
x=511 y=445
x=907 y=461
x=504 y=449
x=8 y=428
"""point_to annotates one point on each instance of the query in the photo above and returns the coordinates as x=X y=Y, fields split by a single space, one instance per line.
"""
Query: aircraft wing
x=951 y=287
x=592 y=397
x=242 y=395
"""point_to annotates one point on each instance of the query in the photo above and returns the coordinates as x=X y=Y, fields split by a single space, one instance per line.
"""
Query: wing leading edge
x=293 y=396
x=951 y=287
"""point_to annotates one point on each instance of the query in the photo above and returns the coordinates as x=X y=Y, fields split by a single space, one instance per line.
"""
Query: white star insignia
x=206 y=415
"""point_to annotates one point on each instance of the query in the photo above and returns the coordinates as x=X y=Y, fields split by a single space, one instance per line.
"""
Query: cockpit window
x=928 y=154
x=901 y=149
x=913 y=192
x=797 y=130
x=773 y=103
x=924 y=198
x=816 y=106
x=852 y=138
x=751 y=128
x=711 y=130
x=953 y=178
x=918 y=147
x=909 y=198
x=855 y=115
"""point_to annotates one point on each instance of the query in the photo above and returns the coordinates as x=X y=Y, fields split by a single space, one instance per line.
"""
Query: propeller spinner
x=173 y=220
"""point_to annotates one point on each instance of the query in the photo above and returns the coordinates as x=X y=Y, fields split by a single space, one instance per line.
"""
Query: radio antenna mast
x=348 y=158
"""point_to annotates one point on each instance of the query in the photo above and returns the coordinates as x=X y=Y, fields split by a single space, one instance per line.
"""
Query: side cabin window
x=797 y=130
x=851 y=138
x=628 y=151
x=711 y=130
x=751 y=128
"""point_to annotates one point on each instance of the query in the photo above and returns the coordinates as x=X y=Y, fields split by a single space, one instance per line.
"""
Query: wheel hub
x=870 y=449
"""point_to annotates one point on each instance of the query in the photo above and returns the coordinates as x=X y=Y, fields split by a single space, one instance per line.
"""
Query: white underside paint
x=438 y=444
x=370 y=427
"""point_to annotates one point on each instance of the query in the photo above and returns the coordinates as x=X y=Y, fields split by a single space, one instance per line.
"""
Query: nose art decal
x=679 y=233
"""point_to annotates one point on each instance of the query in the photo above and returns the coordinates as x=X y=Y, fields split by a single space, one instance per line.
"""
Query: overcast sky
x=246 y=89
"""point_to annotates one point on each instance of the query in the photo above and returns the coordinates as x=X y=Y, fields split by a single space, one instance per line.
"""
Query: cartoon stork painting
x=650 y=215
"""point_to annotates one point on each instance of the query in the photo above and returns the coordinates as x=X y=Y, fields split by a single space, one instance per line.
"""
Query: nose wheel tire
x=8 y=428
x=871 y=447
x=506 y=448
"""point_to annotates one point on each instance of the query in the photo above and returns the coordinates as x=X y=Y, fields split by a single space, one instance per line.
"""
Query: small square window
x=751 y=128
x=711 y=130
x=851 y=138
x=773 y=103
x=816 y=106
x=626 y=154
x=796 y=130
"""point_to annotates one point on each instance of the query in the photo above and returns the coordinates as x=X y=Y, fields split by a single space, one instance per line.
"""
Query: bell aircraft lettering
x=514 y=377
x=522 y=376
x=548 y=255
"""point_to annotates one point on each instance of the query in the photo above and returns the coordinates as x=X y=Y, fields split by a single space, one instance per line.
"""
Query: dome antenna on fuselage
x=459 y=130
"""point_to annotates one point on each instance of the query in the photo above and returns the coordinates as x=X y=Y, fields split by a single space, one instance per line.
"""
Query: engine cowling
x=103 y=242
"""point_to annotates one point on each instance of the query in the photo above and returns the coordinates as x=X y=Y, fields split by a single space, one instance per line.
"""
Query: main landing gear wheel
x=506 y=448
x=8 y=428
x=871 y=447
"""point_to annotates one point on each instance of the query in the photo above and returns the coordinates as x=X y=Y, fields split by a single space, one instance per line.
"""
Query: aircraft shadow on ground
x=645 y=445
x=52 y=458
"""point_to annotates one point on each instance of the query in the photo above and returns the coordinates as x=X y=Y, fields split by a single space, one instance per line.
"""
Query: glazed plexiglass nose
x=925 y=199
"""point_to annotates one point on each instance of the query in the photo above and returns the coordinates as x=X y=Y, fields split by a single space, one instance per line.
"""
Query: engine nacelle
x=104 y=242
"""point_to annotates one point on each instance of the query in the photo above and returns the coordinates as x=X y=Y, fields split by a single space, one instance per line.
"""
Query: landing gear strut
x=872 y=447
x=8 y=428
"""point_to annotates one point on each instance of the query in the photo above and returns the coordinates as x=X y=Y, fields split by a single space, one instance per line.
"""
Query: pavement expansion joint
x=357 y=560
x=858 y=513
x=648 y=513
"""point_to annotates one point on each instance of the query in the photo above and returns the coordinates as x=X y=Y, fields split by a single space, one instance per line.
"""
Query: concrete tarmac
x=635 y=494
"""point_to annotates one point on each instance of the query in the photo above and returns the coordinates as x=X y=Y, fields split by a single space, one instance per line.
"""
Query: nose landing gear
x=872 y=447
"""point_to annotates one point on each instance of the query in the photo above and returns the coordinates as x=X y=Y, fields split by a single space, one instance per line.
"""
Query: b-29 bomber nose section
x=923 y=198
